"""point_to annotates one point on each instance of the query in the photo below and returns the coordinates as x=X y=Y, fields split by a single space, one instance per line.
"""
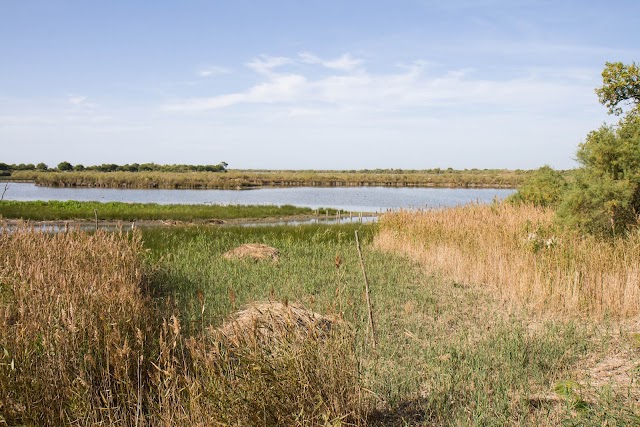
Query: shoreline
x=115 y=224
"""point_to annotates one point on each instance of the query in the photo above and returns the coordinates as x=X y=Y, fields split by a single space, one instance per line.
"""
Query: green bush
x=543 y=188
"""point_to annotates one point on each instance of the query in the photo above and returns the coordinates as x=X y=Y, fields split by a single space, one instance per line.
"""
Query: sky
x=290 y=84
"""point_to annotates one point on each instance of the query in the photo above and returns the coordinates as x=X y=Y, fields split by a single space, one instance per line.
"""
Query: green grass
x=69 y=210
x=448 y=354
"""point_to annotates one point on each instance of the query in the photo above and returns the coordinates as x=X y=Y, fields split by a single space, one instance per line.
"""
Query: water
x=355 y=199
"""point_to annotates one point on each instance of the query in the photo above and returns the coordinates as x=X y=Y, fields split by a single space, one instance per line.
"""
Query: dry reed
x=518 y=252
x=82 y=343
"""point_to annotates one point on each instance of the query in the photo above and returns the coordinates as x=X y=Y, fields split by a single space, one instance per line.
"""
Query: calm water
x=356 y=199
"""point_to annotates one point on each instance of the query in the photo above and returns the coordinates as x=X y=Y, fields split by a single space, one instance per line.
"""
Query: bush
x=543 y=188
x=604 y=199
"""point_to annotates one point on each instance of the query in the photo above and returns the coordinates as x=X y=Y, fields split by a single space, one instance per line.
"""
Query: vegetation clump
x=255 y=251
x=603 y=198
x=544 y=187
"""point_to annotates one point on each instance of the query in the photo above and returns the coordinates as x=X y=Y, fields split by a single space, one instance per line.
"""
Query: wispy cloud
x=265 y=64
x=77 y=100
x=409 y=87
x=344 y=63
x=213 y=70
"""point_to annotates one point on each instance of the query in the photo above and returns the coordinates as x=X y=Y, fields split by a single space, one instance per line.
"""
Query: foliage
x=621 y=84
x=600 y=205
x=604 y=198
x=42 y=167
x=65 y=166
x=544 y=187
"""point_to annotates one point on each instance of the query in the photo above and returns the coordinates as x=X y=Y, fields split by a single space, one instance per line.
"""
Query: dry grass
x=72 y=328
x=518 y=253
x=268 y=322
x=255 y=251
x=82 y=343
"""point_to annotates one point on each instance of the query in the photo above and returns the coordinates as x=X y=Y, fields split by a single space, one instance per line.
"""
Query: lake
x=355 y=199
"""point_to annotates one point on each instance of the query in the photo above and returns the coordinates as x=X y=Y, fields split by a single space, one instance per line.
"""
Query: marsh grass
x=255 y=178
x=519 y=253
x=146 y=307
x=70 y=210
x=83 y=343
x=448 y=354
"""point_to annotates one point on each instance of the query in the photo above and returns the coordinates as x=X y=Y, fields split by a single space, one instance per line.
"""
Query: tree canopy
x=621 y=85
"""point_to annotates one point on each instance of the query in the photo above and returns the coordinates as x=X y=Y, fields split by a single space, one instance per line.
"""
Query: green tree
x=605 y=197
x=65 y=166
x=544 y=187
x=621 y=84
x=42 y=167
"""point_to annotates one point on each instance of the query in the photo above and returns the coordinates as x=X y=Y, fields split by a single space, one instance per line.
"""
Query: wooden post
x=366 y=288
x=95 y=213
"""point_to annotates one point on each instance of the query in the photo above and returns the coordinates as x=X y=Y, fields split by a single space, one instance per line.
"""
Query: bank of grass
x=117 y=211
x=90 y=338
x=520 y=254
x=488 y=178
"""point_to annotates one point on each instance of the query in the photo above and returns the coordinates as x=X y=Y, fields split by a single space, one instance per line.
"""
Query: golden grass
x=72 y=325
x=83 y=343
x=517 y=251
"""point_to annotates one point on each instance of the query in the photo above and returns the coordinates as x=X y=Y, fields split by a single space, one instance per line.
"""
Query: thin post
x=95 y=213
x=6 y=187
x=366 y=288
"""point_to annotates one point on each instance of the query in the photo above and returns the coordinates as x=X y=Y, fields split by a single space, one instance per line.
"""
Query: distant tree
x=108 y=167
x=42 y=167
x=79 y=167
x=65 y=166
x=4 y=167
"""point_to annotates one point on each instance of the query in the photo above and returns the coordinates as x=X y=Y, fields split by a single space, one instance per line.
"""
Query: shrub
x=543 y=188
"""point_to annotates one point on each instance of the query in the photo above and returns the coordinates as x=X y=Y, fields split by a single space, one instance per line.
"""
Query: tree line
x=7 y=169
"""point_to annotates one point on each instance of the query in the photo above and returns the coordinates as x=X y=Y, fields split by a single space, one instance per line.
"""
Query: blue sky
x=307 y=84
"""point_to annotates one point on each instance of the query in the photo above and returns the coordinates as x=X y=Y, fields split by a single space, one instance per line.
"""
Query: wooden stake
x=366 y=288
x=95 y=213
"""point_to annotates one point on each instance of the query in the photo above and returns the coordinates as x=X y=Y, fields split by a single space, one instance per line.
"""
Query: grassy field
x=129 y=341
x=489 y=178
x=116 y=211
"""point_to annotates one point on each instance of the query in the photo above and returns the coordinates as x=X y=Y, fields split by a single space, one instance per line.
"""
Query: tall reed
x=518 y=252
x=248 y=179
x=83 y=343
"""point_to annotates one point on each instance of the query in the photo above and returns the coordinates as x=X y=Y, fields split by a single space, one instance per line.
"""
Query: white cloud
x=265 y=64
x=409 y=87
x=213 y=70
x=344 y=63
x=77 y=100
x=281 y=88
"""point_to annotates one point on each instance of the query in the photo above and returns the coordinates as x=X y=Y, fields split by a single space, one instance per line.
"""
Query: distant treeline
x=8 y=169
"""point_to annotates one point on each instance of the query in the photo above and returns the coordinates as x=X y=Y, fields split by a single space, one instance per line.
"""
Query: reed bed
x=82 y=342
x=251 y=179
x=517 y=251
